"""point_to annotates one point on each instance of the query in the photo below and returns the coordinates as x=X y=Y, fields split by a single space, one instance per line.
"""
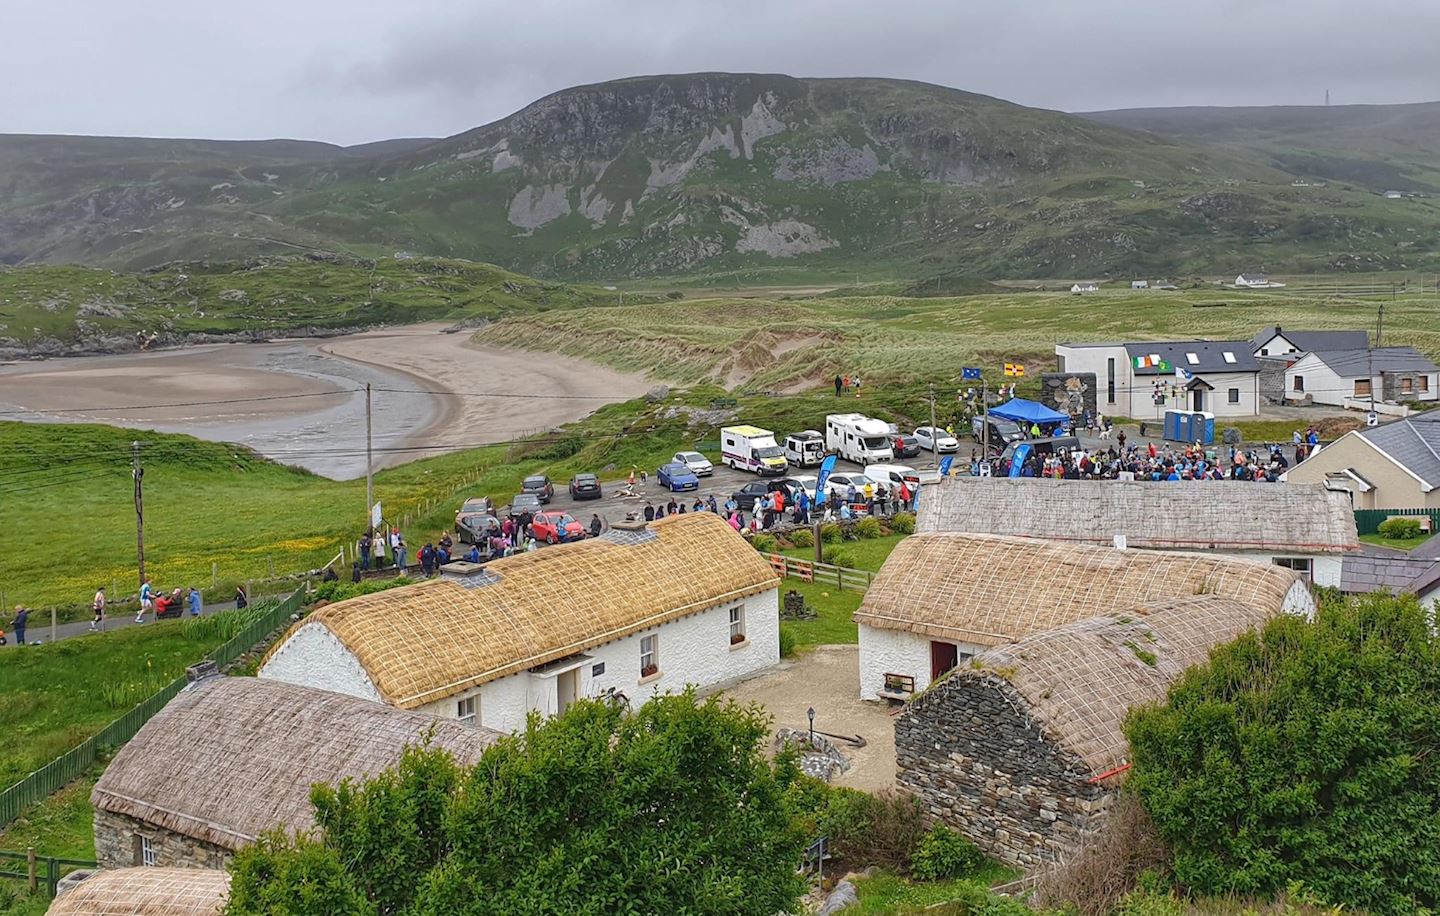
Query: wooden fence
x=45 y=781
x=38 y=868
x=1368 y=521
x=842 y=577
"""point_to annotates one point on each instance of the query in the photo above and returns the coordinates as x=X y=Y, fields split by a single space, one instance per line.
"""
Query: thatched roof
x=990 y=590
x=146 y=892
x=1078 y=681
x=231 y=757
x=1173 y=515
x=424 y=642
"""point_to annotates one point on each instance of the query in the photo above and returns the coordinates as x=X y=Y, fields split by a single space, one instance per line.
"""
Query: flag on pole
x=1015 y=370
x=1183 y=376
x=945 y=466
x=970 y=374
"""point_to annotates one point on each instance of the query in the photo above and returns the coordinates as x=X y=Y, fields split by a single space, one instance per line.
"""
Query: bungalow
x=1139 y=284
x=1280 y=342
x=1143 y=380
x=1255 y=281
x=1393 y=466
x=1307 y=528
x=231 y=757
x=1353 y=378
x=683 y=601
x=144 y=892
x=941 y=599
x=1021 y=749
x=1084 y=288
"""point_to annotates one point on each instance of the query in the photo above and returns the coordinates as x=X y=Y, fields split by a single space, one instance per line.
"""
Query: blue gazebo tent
x=1027 y=412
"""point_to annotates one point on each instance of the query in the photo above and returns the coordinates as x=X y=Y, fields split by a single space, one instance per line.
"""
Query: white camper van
x=750 y=448
x=805 y=449
x=856 y=437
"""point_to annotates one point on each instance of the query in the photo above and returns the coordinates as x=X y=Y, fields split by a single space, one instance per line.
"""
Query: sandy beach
x=301 y=401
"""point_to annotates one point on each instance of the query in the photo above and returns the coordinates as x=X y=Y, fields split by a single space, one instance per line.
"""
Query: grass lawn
x=836 y=623
x=62 y=826
x=864 y=554
x=1381 y=540
x=890 y=894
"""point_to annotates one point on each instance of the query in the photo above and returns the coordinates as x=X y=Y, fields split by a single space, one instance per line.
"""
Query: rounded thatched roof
x=146 y=892
x=421 y=643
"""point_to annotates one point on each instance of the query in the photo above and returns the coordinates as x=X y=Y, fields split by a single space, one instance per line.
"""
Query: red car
x=554 y=527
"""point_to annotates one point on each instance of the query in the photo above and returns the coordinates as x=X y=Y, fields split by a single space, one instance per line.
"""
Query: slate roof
x=1413 y=442
x=1400 y=574
x=1210 y=353
x=1308 y=341
x=1349 y=363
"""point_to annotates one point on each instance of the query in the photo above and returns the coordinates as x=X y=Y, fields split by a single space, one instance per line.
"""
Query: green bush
x=787 y=641
x=1304 y=754
x=903 y=523
x=801 y=537
x=943 y=853
x=765 y=543
x=838 y=556
x=1401 y=529
x=868 y=528
x=340 y=590
x=831 y=533
x=882 y=829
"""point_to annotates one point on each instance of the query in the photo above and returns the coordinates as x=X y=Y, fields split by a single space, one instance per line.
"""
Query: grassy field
x=1381 y=540
x=62 y=826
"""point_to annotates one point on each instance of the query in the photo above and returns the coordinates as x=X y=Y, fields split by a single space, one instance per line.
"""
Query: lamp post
x=811 y=713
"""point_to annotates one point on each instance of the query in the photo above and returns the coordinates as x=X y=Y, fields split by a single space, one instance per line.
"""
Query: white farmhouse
x=1143 y=380
x=1305 y=527
x=1084 y=288
x=1353 y=378
x=632 y=612
x=1255 y=281
x=1277 y=342
x=940 y=599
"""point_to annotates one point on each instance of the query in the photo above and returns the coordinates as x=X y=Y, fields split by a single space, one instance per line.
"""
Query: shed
x=230 y=758
x=146 y=892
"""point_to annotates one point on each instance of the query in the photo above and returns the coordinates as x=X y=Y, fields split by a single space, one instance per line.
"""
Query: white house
x=1352 y=378
x=1084 y=288
x=1139 y=284
x=1255 y=281
x=1143 y=380
x=1394 y=195
x=1278 y=342
x=682 y=601
x=942 y=598
x=1305 y=527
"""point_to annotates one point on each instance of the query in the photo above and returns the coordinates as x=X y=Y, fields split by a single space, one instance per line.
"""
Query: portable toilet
x=1202 y=428
x=1177 y=426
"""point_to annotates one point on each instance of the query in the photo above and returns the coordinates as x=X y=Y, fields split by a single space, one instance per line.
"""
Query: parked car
x=540 y=485
x=523 y=503
x=906 y=446
x=936 y=439
x=476 y=527
x=677 y=478
x=839 y=484
x=585 y=486
x=698 y=464
x=554 y=527
x=746 y=496
x=1002 y=431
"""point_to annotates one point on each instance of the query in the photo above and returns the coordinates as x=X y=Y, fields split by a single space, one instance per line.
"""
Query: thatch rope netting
x=146 y=892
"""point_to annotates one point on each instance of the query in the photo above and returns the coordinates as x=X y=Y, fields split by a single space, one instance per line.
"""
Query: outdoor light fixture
x=811 y=713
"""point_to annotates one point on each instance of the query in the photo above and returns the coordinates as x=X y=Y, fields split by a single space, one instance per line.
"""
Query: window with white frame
x=1192 y=359
x=1228 y=357
x=465 y=709
x=737 y=624
x=1300 y=564
x=144 y=851
x=649 y=655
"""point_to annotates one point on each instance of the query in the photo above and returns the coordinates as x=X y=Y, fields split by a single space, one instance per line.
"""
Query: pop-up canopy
x=1027 y=412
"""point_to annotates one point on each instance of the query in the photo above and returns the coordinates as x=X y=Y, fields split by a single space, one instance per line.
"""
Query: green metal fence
x=1367 y=521
x=45 y=781
x=39 y=869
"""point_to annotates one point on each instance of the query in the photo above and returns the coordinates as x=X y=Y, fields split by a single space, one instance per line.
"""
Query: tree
x=672 y=808
x=1304 y=753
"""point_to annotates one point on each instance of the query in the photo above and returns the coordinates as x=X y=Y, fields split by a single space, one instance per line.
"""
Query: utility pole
x=934 y=432
x=369 y=465
x=985 y=422
x=138 y=473
x=1380 y=319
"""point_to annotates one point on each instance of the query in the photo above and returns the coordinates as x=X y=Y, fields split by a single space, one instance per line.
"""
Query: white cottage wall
x=313 y=656
x=885 y=652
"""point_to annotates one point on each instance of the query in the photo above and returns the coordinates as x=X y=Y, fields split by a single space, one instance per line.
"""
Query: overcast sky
x=355 y=70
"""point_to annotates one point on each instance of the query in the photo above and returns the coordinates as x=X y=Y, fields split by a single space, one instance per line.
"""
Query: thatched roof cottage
x=1305 y=527
x=230 y=758
x=942 y=598
x=146 y=892
x=682 y=601
x=1021 y=747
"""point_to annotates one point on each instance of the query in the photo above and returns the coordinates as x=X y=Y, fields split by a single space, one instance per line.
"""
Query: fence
x=1367 y=521
x=48 y=869
x=45 y=781
x=843 y=577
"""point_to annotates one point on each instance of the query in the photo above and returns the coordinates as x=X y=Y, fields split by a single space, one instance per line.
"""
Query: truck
x=750 y=448
x=805 y=449
x=858 y=438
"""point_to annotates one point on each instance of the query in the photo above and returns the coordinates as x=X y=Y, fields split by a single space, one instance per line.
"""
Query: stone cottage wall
x=968 y=751
x=1272 y=378
x=115 y=844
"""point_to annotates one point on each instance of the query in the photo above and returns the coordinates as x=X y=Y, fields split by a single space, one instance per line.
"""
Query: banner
x=970 y=374
x=945 y=466
x=1017 y=462
x=826 y=468
x=375 y=515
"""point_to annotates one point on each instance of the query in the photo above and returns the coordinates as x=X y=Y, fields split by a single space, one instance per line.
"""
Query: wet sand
x=301 y=401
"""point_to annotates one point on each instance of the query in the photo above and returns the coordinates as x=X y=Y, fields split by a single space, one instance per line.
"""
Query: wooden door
x=943 y=657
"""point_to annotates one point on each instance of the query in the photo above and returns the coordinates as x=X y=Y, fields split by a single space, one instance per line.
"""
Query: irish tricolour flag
x=1152 y=361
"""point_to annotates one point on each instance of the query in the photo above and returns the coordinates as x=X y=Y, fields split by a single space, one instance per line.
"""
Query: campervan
x=805 y=449
x=750 y=448
x=892 y=475
x=858 y=438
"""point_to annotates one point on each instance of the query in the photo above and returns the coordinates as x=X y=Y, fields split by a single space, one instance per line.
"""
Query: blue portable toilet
x=1177 y=426
x=1202 y=428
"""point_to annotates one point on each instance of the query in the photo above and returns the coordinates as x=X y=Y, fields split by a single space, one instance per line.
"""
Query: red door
x=943 y=657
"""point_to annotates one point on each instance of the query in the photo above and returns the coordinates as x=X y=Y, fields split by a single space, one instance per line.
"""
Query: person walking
x=596 y=526
x=242 y=600
x=397 y=550
x=366 y=542
x=196 y=602
x=838 y=382
x=147 y=599
x=98 y=606
x=22 y=617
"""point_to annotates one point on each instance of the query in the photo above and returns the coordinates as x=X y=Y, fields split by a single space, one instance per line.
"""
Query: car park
x=554 y=527
x=585 y=486
x=905 y=446
x=677 y=478
x=698 y=464
x=540 y=485
x=936 y=439
x=524 y=503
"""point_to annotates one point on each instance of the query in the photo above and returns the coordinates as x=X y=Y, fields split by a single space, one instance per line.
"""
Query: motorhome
x=858 y=438
x=750 y=448
x=805 y=449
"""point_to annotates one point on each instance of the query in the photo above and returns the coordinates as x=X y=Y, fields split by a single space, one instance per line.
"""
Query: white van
x=858 y=438
x=750 y=448
x=891 y=475
x=805 y=449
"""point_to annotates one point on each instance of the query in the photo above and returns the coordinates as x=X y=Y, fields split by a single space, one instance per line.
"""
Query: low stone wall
x=115 y=845
x=970 y=753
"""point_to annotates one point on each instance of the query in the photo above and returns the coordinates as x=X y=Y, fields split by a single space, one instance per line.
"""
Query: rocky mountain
x=715 y=174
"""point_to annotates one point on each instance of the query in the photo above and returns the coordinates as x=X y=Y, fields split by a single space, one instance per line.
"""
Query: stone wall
x=1272 y=378
x=115 y=845
x=1070 y=393
x=970 y=753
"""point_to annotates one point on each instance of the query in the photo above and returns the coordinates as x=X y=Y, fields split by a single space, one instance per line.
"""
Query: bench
x=898 y=687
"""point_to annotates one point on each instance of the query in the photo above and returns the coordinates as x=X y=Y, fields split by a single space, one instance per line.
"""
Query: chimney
x=460 y=569
x=201 y=670
x=632 y=522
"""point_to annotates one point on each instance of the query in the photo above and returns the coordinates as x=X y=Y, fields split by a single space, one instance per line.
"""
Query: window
x=737 y=624
x=1299 y=383
x=1362 y=388
x=465 y=710
x=1300 y=564
x=1424 y=383
x=1264 y=351
x=649 y=655
x=1228 y=357
x=1234 y=395
x=1407 y=386
x=144 y=851
x=1110 y=380
x=1192 y=359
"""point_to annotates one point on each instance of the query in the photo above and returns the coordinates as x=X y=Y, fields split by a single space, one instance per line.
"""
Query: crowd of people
x=1265 y=463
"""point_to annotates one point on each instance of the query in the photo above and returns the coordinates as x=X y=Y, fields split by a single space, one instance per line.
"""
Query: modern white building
x=1143 y=380
x=942 y=598
x=683 y=601
x=1305 y=527
x=1276 y=342
x=1355 y=378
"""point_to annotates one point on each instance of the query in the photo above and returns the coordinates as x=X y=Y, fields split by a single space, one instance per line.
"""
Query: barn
x=1022 y=748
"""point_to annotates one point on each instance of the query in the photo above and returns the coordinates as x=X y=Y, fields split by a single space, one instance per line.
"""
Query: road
x=39 y=630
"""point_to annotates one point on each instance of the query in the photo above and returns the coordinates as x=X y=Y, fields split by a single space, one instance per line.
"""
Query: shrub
x=1110 y=862
x=674 y=294
x=943 y=853
x=882 y=829
x=801 y=537
x=765 y=543
x=340 y=590
x=837 y=556
x=831 y=533
x=1401 y=529
x=787 y=641
x=868 y=528
x=903 y=523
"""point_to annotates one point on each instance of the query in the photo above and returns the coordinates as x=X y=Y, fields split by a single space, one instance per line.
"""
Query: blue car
x=677 y=478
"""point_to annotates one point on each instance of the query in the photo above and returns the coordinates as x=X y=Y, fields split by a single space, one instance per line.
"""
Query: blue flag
x=826 y=468
x=1017 y=461
x=970 y=374
x=945 y=466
